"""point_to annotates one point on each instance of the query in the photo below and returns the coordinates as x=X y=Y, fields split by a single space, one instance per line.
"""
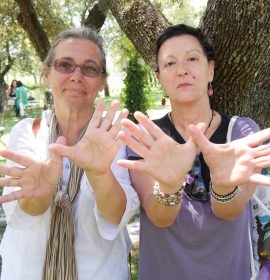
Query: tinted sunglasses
x=67 y=66
x=195 y=187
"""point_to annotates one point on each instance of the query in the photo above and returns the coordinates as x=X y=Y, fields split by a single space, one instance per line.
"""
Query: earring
x=210 y=89
x=163 y=100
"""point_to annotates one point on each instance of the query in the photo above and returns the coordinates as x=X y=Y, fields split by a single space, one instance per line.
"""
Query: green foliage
x=135 y=95
x=177 y=11
x=135 y=259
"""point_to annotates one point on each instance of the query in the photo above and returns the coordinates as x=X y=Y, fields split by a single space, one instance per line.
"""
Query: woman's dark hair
x=85 y=33
x=182 y=29
x=19 y=84
x=11 y=85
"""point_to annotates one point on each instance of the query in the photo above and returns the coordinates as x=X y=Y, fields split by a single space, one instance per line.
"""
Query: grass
x=33 y=111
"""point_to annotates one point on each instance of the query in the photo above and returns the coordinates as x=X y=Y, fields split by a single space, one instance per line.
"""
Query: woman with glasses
x=68 y=202
x=195 y=207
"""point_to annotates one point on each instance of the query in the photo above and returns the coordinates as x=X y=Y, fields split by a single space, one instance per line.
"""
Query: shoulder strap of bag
x=230 y=128
x=36 y=126
x=252 y=263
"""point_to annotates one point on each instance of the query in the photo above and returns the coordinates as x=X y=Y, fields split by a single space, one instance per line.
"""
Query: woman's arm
x=36 y=180
x=237 y=163
x=94 y=153
x=164 y=162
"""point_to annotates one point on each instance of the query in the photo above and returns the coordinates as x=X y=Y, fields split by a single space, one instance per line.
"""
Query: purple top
x=198 y=245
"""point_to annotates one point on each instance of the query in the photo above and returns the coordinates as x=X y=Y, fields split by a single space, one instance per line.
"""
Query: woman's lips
x=184 y=85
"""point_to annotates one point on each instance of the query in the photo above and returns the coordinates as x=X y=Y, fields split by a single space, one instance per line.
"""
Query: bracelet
x=223 y=198
x=167 y=199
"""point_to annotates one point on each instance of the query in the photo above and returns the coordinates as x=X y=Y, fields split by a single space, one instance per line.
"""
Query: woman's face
x=14 y=83
x=184 y=71
x=75 y=91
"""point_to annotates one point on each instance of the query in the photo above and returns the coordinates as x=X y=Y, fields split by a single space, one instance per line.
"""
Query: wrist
x=223 y=198
x=167 y=199
x=219 y=189
x=172 y=187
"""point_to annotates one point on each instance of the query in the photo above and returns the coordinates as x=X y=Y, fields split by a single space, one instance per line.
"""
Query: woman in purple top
x=194 y=195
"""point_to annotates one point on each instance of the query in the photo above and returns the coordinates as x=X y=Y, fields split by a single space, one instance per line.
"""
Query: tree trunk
x=29 y=21
x=242 y=45
x=3 y=85
x=106 y=89
x=258 y=98
x=97 y=15
x=141 y=22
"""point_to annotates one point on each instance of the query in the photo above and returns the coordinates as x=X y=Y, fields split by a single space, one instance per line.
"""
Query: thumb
x=61 y=140
x=197 y=134
x=57 y=157
x=59 y=148
x=53 y=166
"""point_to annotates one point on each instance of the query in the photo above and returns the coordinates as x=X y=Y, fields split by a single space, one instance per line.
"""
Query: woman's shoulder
x=21 y=136
x=22 y=127
x=163 y=121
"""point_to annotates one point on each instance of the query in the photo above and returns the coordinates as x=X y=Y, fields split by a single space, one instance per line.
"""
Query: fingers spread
x=139 y=133
x=262 y=162
x=200 y=139
x=117 y=125
x=11 y=171
x=132 y=164
x=260 y=179
x=262 y=150
x=258 y=138
x=108 y=120
x=134 y=144
x=97 y=116
x=21 y=159
x=151 y=127
x=9 y=182
x=16 y=195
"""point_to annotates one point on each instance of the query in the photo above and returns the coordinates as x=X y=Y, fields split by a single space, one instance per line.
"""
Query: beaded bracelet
x=167 y=199
x=223 y=198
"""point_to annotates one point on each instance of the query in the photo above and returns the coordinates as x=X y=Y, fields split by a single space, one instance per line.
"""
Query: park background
x=239 y=30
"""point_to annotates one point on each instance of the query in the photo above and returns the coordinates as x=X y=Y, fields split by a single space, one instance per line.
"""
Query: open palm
x=99 y=145
x=163 y=158
x=36 y=179
x=237 y=162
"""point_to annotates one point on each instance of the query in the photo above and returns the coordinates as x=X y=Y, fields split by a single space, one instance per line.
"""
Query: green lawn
x=34 y=111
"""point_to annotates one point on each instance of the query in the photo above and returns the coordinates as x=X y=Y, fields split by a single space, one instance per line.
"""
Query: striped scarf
x=60 y=261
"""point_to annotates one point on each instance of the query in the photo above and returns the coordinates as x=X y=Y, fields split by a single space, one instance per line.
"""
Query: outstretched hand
x=237 y=162
x=97 y=148
x=36 y=179
x=163 y=159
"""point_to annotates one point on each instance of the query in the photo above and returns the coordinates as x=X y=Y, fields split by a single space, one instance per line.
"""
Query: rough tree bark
x=3 y=85
x=141 y=22
x=97 y=15
x=258 y=98
x=240 y=33
x=29 y=21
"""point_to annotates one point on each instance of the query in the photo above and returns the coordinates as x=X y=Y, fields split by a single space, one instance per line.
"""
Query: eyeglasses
x=195 y=187
x=67 y=66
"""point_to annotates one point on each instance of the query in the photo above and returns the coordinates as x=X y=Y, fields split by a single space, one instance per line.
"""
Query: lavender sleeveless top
x=198 y=246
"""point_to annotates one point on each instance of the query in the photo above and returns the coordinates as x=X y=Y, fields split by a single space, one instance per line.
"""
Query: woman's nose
x=76 y=75
x=181 y=69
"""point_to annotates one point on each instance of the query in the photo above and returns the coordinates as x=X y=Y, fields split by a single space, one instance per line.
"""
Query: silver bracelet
x=223 y=198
